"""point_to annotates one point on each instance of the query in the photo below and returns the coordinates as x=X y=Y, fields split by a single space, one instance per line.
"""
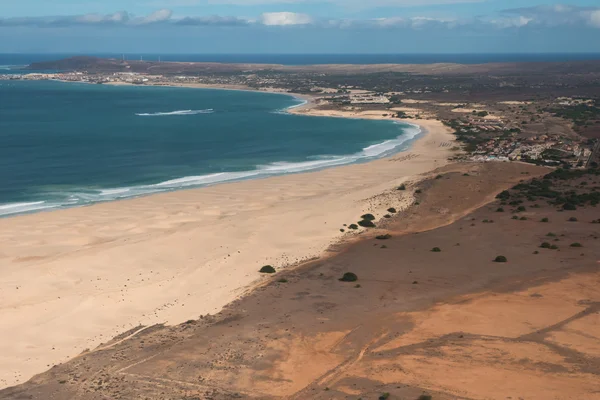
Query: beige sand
x=72 y=279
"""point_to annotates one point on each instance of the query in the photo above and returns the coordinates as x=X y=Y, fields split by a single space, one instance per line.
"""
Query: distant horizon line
x=297 y=54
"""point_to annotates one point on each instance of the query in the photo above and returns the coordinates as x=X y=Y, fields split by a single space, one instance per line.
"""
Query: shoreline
x=84 y=275
x=308 y=102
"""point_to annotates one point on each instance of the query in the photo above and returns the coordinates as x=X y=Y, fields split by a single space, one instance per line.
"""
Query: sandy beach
x=73 y=279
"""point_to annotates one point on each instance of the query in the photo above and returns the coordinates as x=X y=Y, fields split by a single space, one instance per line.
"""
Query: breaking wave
x=178 y=112
x=80 y=197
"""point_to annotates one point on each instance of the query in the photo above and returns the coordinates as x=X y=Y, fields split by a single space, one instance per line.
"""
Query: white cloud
x=595 y=18
x=285 y=18
x=514 y=22
x=157 y=16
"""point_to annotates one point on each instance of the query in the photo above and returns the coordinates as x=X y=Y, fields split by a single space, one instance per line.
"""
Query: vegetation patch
x=500 y=259
x=436 y=250
x=384 y=237
x=267 y=269
x=349 y=277
x=366 y=223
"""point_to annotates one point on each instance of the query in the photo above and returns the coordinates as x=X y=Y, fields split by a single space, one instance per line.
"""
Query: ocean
x=73 y=144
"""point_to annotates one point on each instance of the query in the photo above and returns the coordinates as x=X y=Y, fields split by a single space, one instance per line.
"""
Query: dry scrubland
x=447 y=324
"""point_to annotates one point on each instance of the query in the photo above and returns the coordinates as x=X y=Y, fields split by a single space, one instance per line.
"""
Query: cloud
x=511 y=19
x=557 y=15
x=157 y=16
x=213 y=20
x=595 y=18
x=285 y=18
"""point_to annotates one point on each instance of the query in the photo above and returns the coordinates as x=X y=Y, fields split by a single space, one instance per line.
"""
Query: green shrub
x=425 y=397
x=267 y=269
x=283 y=280
x=368 y=217
x=436 y=250
x=365 y=223
x=554 y=247
x=515 y=217
x=439 y=177
x=384 y=237
x=402 y=187
x=392 y=210
x=520 y=209
x=353 y=226
x=569 y=207
x=504 y=195
x=545 y=220
x=500 y=259
x=500 y=209
x=418 y=191
x=384 y=396
x=576 y=245
x=545 y=245
x=523 y=219
x=572 y=219
x=550 y=234
x=349 y=277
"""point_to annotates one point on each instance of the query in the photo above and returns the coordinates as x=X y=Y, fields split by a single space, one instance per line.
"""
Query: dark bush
x=554 y=247
x=349 y=277
x=569 y=207
x=436 y=250
x=425 y=397
x=500 y=209
x=387 y=216
x=418 y=191
x=545 y=245
x=365 y=223
x=576 y=245
x=392 y=210
x=384 y=237
x=353 y=226
x=545 y=220
x=267 y=269
x=572 y=219
x=368 y=217
x=283 y=280
x=500 y=259
x=402 y=187
x=503 y=195
x=520 y=209
x=384 y=396
x=515 y=217
x=550 y=234
x=523 y=219
x=439 y=177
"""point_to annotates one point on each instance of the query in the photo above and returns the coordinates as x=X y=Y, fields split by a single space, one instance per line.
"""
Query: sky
x=299 y=26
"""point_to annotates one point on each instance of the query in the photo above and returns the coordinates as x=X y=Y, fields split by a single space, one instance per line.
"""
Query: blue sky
x=299 y=26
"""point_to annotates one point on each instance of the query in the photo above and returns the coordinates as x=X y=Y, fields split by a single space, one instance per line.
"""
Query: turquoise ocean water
x=70 y=144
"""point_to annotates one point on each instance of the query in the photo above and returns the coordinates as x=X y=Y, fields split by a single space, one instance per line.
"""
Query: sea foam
x=88 y=196
x=178 y=112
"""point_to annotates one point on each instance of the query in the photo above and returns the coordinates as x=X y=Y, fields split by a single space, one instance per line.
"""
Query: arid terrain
x=432 y=315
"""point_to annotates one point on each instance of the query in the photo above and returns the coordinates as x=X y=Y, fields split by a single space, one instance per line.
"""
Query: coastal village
x=543 y=132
